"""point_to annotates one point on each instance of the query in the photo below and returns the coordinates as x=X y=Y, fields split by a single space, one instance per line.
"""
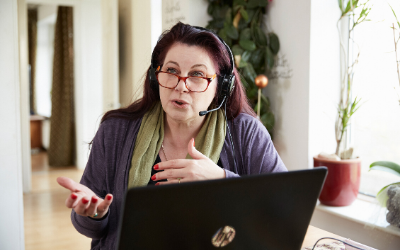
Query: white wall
x=11 y=212
x=139 y=29
x=324 y=86
x=305 y=104
x=193 y=12
x=290 y=98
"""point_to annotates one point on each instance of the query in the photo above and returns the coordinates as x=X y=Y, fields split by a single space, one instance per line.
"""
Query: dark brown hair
x=183 y=33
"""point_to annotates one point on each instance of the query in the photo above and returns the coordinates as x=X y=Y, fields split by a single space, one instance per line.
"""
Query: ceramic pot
x=342 y=182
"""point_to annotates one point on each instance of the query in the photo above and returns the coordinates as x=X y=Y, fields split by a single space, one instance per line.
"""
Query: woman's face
x=180 y=104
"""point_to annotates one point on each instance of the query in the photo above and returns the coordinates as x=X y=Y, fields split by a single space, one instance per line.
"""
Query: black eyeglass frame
x=184 y=78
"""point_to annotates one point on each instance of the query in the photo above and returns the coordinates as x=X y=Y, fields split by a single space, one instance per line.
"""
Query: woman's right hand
x=83 y=200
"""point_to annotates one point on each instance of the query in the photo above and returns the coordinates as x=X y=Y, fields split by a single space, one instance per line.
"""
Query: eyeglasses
x=192 y=83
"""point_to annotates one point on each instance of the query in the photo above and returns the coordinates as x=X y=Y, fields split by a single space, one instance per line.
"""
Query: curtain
x=32 y=45
x=62 y=131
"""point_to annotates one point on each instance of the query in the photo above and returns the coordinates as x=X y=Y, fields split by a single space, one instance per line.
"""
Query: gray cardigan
x=108 y=166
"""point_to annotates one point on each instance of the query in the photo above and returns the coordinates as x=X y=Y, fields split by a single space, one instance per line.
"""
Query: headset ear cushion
x=227 y=83
x=153 y=78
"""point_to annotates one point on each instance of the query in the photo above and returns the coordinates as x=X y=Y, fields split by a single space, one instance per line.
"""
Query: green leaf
x=252 y=4
x=242 y=24
x=262 y=3
x=219 y=12
x=386 y=166
x=223 y=35
x=228 y=16
x=341 y=5
x=242 y=63
x=237 y=50
x=245 y=34
x=351 y=5
x=266 y=102
x=246 y=56
x=249 y=73
x=257 y=3
x=244 y=14
x=269 y=58
x=398 y=23
x=257 y=57
x=216 y=24
x=232 y=32
x=239 y=2
x=268 y=120
x=236 y=8
x=210 y=9
x=253 y=28
x=251 y=13
x=243 y=80
x=382 y=196
x=260 y=37
x=247 y=45
x=274 y=43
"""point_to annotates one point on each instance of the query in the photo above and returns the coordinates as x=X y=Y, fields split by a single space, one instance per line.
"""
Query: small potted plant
x=344 y=170
x=389 y=195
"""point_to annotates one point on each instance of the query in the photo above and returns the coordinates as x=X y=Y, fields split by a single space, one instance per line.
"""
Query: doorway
x=51 y=85
x=96 y=66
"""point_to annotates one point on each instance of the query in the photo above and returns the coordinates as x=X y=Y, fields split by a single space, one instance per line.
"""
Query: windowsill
x=364 y=210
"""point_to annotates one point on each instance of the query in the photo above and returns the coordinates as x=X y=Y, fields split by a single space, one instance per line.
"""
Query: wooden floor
x=47 y=220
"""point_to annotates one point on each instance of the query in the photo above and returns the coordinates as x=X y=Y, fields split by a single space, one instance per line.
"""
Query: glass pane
x=167 y=80
x=196 y=83
x=376 y=125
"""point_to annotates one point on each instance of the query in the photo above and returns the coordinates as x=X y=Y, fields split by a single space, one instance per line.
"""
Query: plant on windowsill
x=389 y=195
x=344 y=170
x=238 y=23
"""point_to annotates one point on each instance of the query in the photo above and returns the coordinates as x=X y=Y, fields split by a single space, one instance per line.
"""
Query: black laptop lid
x=268 y=211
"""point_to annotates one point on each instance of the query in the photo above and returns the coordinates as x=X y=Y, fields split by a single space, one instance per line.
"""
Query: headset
x=226 y=83
x=226 y=80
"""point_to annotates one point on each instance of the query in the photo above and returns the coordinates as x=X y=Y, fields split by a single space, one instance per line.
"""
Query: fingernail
x=74 y=196
x=109 y=197
x=157 y=184
x=156 y=166
x=193 y=141
x=84 y=201
x=94 y=199
x=153 y=177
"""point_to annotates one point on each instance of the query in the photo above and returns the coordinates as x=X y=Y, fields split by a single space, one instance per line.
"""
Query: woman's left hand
x=186 y=170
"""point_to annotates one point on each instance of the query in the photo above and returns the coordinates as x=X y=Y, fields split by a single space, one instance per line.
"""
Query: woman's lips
x=180 y=103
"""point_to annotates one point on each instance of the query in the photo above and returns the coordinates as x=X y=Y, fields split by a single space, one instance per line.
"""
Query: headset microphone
x=201 y=113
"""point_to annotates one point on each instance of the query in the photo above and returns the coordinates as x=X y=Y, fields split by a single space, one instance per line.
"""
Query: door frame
x=96 y=82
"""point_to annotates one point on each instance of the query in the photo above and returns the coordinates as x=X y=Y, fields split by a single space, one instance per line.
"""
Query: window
x=375 y=130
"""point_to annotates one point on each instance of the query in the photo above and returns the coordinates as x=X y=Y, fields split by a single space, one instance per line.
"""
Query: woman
x=152 y=142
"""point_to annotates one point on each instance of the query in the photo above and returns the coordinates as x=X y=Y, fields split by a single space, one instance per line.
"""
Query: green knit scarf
x=209 y=142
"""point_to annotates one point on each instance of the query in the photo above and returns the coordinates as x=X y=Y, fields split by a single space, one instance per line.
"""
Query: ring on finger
x=179 y=180
x=95 y=215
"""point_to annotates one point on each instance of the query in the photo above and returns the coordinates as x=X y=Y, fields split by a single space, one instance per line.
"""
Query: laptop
x=267 y=211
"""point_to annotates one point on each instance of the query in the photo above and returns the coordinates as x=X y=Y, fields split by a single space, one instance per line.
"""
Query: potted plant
x=239 y=23
x=389 y=195
x=344 y=170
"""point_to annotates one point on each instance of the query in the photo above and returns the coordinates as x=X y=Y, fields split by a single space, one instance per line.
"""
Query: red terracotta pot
x=342 y=182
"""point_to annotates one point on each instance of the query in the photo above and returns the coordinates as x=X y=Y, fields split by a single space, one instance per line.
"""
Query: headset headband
x=231 y=58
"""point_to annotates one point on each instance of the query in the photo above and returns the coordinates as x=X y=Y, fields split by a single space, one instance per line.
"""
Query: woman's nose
x=181 y=87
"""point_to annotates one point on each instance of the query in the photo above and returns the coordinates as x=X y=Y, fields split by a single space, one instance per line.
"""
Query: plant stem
x=259 y=103
x=395 y=52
